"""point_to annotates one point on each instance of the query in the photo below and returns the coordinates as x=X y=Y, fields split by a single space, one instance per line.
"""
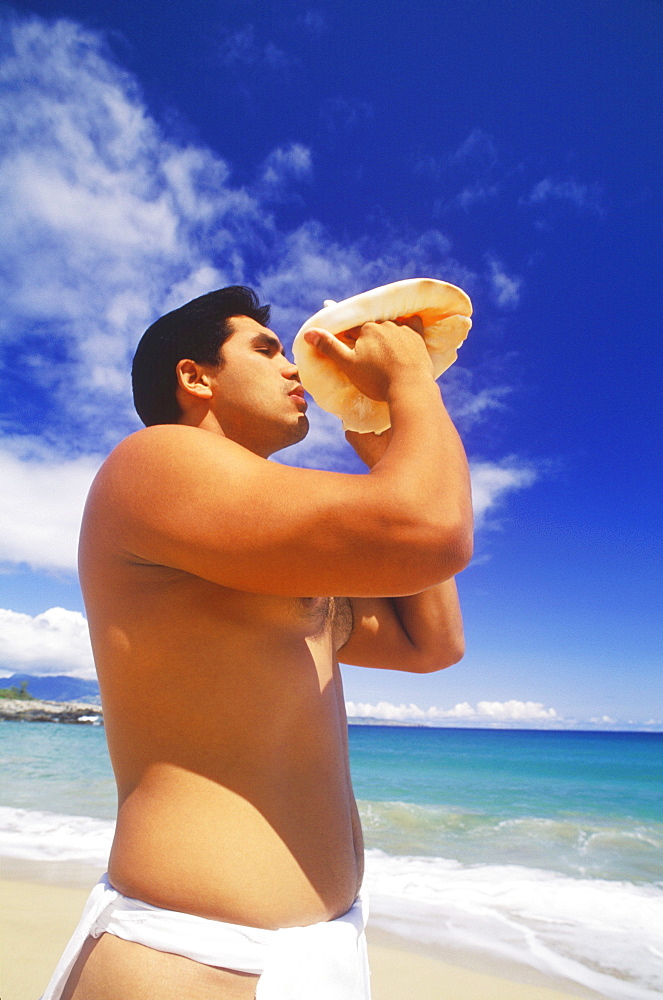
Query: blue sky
x=314 y=151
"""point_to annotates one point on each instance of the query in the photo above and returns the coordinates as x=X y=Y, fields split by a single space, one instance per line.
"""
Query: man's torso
x=226 y=727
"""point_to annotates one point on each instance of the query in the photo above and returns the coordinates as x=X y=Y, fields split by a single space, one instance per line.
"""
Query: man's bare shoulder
x=145 y=457
x=150 y=470
x=162 y=440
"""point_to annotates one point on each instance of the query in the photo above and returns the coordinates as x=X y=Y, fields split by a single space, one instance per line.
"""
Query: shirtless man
x=210 y=578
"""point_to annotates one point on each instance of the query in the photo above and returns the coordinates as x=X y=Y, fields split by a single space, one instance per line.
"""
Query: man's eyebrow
x=269 y=340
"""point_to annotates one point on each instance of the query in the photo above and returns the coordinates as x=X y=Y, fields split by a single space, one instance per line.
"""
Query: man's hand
x=371 y=447
x=376 y=355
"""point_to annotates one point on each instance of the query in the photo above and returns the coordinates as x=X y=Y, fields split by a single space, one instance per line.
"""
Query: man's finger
x=327 y=344
x=415 y=322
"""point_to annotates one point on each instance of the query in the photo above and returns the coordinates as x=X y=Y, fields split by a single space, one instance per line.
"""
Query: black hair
x=197 y=331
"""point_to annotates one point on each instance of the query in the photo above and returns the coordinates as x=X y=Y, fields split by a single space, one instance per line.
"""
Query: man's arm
x=189 y=499
x=419 y=633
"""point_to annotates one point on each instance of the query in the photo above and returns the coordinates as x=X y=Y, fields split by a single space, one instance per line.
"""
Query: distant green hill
x=59 y=687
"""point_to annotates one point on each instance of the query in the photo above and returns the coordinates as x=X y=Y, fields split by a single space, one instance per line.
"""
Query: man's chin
x=297 y=433
x=301 y=430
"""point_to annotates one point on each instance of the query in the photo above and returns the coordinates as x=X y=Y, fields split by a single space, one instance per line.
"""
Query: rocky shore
x=33 y=710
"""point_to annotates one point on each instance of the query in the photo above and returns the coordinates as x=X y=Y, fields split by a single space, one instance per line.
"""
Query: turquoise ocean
x=544 y=848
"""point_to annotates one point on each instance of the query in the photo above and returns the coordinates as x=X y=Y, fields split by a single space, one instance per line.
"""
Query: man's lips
x=297 y=391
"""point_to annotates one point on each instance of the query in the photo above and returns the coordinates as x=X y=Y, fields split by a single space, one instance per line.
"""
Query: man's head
x=214 y=364
x=197 y=331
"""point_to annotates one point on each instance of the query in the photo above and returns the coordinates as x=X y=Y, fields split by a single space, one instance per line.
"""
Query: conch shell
x=445 y=311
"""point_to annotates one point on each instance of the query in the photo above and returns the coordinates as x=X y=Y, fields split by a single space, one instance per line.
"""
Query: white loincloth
x=327 y=960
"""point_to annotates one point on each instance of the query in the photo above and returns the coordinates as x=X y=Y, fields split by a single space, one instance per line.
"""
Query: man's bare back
x=223 y=701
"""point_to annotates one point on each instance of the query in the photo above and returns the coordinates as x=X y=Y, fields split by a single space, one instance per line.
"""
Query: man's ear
x=194 y=379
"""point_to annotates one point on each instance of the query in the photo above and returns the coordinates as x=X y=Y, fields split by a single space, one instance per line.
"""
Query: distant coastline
x=34 y=710
x=68 y=698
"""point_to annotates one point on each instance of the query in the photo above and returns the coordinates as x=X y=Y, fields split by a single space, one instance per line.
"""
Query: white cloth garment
x=325 y=961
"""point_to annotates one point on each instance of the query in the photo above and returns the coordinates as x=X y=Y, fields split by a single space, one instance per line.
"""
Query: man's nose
x=290 y=371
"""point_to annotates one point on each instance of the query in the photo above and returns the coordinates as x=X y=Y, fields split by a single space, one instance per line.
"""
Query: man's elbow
x=425 y=556
x=453 y=548
x=451 y=653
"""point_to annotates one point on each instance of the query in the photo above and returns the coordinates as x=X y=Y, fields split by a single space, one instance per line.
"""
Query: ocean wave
x=605 y=935
x=569 y=845
x=44 y=836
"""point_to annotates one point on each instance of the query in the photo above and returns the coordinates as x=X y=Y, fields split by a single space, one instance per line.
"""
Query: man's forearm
x=433 y=623
x=430 y=628
x=419 y=634
x=425 y=450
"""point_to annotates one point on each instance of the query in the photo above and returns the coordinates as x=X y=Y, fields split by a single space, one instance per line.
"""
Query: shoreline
x=43 y=902
x=38 y=710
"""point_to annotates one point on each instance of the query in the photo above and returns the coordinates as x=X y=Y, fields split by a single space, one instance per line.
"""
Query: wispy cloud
x=104 y=220
x=337 y=114
x=54 y=642
x=285 y=163
x=313 y=20
x=467 y=404
x=585 y=197
x=240 y=49
x=477 y=148
x=475 y=156
x=121 y=224
x=506 y=288
x=476 y=172
x=493 y=481
x=474 y=166
x=108 y=223
x=283 y=167
x=469 y=196
x=486 y=712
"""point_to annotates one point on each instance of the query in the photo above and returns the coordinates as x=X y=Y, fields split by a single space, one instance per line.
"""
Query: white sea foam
x=45 y=836
x=604 y=934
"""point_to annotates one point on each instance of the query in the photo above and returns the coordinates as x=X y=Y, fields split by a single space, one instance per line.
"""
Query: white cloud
x=474 y=194
x=485 y=712
x=492 y=481
x=340 y=115
x=283 y=166
x=41 y=504
x=240 y=49
x=54 y=642
x=477 y=148
x=103 y=219
x=583 y=196
x=515 y=711
x=468 y=405
x=309 y=267
x=314 y=21
x=107 y=225
x=506 y=288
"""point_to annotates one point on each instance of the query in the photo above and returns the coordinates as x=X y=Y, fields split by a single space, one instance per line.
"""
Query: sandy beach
x=39 y=912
